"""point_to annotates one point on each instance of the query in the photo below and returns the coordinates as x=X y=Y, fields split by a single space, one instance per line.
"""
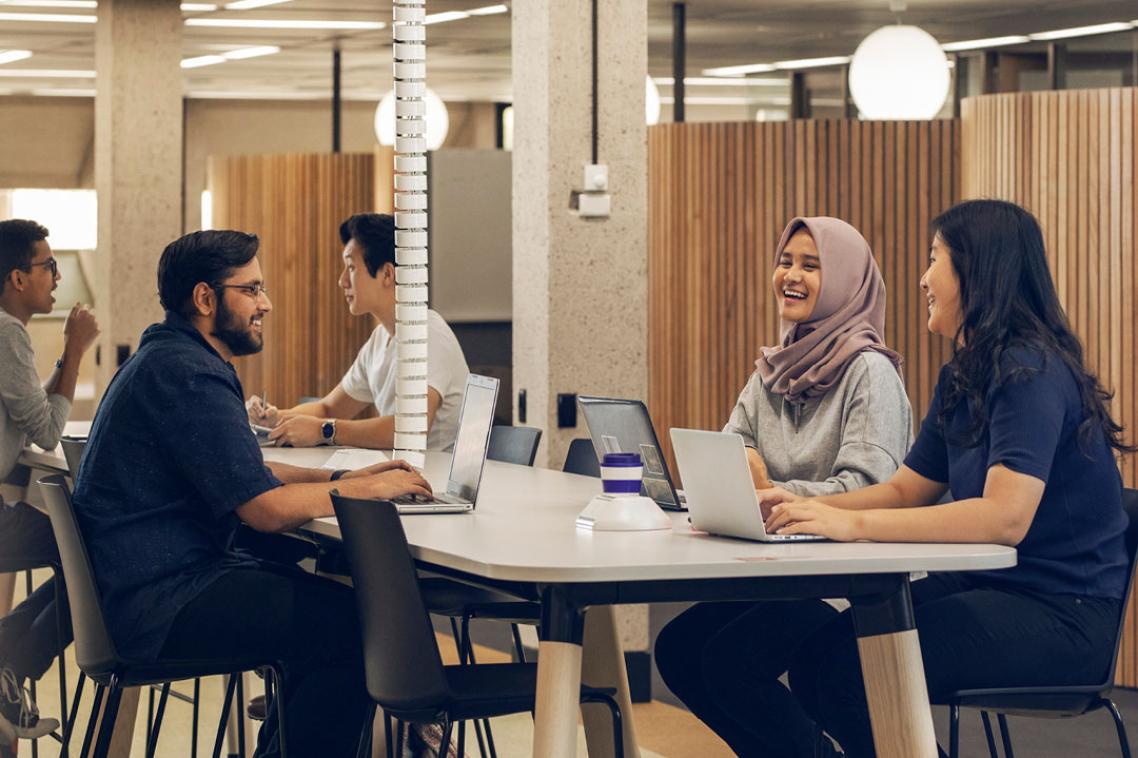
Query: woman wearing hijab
x=824 y=412
x=1019 y=433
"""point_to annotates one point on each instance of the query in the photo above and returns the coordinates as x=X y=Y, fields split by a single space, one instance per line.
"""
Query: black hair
x=209 y=256
x=18 y=238
x=1008 y=300
x=375 y=233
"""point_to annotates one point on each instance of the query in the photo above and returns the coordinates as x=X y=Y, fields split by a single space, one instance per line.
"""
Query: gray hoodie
x=855 y=435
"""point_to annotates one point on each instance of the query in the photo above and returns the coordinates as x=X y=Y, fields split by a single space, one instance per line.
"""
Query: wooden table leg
x=894 y=675
x=603 y=666
x=123 y=735
x=558 y=676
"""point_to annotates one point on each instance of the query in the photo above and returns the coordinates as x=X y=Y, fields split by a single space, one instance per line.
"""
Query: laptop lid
x=473 y=438
x=717 y=481
x=624 y=426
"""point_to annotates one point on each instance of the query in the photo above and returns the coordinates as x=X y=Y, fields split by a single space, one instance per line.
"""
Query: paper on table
x=352 y=458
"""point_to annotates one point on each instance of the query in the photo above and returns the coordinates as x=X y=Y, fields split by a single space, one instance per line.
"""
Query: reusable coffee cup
x=621 y=473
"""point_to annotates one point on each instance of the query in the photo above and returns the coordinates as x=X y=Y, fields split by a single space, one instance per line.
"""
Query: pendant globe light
x=899 y=73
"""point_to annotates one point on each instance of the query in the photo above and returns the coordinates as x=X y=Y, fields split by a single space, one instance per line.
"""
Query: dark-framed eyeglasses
x=253 y=290
x=51 y=264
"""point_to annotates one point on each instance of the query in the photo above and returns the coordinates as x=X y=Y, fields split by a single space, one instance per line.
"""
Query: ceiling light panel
x=47 y=73
x=979 y=44
x=244 y=5
x=750 y=68
x=1083 y=31
x=66 y=4
x=11 y=56
x=58 y=18
x=278 y=23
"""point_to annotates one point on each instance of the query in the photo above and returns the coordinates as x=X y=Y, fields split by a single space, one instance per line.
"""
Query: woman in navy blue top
x=1019 y=434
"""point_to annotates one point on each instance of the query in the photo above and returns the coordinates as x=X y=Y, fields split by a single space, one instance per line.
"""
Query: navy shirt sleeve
x=202 y=423
x=1026 y=416
x=929 y=454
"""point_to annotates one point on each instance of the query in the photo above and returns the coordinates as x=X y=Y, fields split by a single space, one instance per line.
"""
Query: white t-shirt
x=371 y=379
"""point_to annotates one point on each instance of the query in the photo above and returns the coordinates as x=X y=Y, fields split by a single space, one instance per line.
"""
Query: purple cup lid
x=621 y=460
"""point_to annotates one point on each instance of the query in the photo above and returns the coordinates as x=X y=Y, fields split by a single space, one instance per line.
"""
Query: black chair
x=514 y=444
x=1065 y=701
x=582 y=458
x=405 y=674
x=97 y=655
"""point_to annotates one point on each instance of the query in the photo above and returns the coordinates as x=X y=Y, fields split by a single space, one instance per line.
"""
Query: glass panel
x=69 y=215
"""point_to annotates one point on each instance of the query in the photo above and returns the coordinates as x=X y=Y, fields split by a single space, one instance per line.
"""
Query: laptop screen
x=473 y=436
x=624 y=426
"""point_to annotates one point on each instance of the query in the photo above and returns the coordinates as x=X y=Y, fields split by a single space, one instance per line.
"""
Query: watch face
x=327 y=429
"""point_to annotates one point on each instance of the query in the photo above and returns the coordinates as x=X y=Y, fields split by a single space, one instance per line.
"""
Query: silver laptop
x=469 y=455
x=720 y=493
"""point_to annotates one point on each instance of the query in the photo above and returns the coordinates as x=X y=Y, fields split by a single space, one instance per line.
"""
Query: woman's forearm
x=974 y=520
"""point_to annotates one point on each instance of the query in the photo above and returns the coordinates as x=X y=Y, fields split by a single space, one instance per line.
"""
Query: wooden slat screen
x=295 y=204
x=719 y=196
x=1069 y=157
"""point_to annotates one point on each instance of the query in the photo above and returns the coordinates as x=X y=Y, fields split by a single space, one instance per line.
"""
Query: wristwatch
x=328 y=431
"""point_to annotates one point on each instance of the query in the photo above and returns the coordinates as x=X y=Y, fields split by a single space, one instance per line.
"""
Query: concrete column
x=138 y=165
x=580 y=286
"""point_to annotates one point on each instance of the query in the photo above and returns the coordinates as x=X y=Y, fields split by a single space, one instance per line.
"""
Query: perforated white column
x=409 y=37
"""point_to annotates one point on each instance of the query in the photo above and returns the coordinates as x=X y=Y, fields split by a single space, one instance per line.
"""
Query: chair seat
x=141 y=673
x=1042 y=702
x=446 y=597
x=488 y=690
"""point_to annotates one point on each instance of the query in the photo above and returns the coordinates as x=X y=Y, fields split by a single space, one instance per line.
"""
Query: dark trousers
x=30 y=634
x=724 y=662
x=307 y=623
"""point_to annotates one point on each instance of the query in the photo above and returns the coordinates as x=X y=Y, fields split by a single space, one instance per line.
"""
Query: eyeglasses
x=254 y=290
x=51 y=264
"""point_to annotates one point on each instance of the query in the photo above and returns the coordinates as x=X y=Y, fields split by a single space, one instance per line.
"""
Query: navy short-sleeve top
x=169 y=460
x=1075 y=544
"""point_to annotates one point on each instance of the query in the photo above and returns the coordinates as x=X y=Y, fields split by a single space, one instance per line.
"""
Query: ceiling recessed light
x=750 y=68
x=833 y=60
x=489 y=10
x=11 y=56
x=59 y=18
x=439 y=18
x=196 y=7
x=269 y=23
x=724 y=81
x=1083 y=31
x=244 y=5
x=979 y=44
x=72 y=4
x=202 y=60
x=45 y=73
x=251 y=52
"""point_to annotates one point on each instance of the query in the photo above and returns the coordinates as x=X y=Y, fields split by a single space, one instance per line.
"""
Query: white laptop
x=469 y=456
x=721 y=496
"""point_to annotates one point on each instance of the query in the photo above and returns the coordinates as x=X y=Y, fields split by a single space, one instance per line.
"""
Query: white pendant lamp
x=899 y=73
x=651 y=101
x=438 y=122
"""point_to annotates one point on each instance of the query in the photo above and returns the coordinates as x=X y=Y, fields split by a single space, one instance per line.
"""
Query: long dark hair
x=1008 y=300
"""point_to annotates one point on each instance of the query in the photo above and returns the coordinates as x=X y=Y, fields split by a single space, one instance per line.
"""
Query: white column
x=138 y=165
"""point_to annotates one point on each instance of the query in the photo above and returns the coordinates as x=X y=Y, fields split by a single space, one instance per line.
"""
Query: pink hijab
x=848 y=317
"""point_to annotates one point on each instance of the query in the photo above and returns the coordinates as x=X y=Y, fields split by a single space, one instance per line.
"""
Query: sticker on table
x=652 y=461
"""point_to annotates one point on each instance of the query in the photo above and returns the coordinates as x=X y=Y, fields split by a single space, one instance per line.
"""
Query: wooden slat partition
x=295 y=204
x=719 y=196
x=1070 y=158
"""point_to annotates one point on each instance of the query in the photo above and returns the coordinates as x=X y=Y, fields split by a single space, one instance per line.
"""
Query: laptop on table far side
x=468 y=458
x=720 y=492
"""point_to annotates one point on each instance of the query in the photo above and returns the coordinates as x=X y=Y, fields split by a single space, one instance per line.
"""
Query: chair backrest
x=514 y=444
x=582 y=458
x=73 y=448
x=94 y=650
x=401 y=657
x=1130 y=506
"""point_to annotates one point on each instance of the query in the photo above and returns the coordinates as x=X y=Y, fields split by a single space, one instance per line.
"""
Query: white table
x=522 y=538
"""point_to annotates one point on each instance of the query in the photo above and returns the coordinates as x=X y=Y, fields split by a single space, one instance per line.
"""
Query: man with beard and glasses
x=172 y=469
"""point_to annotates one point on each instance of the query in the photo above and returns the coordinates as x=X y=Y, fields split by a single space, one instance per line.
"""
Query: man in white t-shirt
x=368 y=281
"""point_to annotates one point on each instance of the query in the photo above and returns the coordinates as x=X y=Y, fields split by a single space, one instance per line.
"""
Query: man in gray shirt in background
x=30 y=412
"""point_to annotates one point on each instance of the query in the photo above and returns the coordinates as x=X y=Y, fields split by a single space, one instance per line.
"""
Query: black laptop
x=624 y=426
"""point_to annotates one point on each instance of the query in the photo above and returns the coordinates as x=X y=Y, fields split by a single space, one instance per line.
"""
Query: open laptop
x=720 y=493
x=469 y=455
x=624 y=426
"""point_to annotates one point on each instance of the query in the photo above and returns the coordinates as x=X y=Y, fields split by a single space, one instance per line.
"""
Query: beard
x=235 y=334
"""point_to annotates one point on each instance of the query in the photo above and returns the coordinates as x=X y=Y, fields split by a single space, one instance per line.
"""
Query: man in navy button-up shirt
x=170 y=471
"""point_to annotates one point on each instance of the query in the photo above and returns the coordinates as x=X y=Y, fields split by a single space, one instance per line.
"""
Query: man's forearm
x=374 y=433
x=65 y=376
x=298 y=474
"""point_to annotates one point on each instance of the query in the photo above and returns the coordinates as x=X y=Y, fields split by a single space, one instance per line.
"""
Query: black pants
x=307 y=623
x=723 y=660
x=30 y=634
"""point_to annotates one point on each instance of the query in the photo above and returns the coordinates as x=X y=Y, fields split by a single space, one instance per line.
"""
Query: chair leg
x=28 y=588
x=953 y=730
x=279 y=701
x=444 y=743
x=461 y=739
x=70 y=724
x=519 y=648
x=1123 y=742
x=400 y=728
x=364 y=749
x=107 y=722
x=92 y=722
x=460 y=648
x=468 y=646
x=65 y=729
x=226 y=707
x=240 y=713
x=992 y=753
x=1005 y=735
x=388 y=738
x=194 y=712
x=152 y=742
